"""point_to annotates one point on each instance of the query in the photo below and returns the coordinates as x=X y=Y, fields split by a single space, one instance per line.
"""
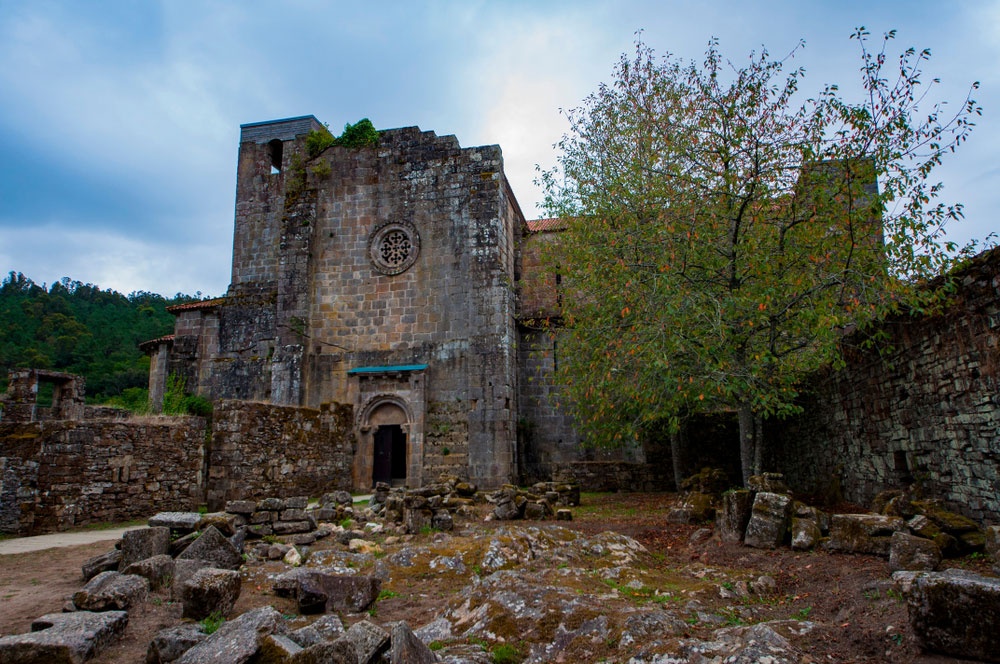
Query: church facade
x=399 y=279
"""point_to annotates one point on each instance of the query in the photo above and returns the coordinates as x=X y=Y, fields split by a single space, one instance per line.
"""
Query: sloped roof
x=194 y=306
x=147 y=346
x=543 y=225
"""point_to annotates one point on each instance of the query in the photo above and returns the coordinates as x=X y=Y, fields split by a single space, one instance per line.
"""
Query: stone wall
x=927 y=411
x=546 y=434
x=62 y=474
x=265 y=450
x=622 y=476
x=56 y=475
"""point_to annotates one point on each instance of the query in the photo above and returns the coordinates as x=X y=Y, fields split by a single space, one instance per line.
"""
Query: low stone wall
x=616 y=475
x=264 y=450
x=56 y=475
x=925 y=412
x=61 y=474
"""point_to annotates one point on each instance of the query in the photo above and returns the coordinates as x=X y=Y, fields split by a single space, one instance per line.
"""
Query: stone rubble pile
x=541 y=501
x=913 y=534
x=555 y=594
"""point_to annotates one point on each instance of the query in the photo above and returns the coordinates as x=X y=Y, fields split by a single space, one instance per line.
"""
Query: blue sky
x=120 y=119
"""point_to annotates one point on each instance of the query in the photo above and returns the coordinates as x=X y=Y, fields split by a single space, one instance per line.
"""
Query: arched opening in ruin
x=275 y=148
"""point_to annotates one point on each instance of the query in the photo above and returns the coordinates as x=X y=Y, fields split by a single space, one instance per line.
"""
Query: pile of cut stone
x=543 y=501
x=955 y=612
x=290 y=517
x=200 y=566
x=433 y=506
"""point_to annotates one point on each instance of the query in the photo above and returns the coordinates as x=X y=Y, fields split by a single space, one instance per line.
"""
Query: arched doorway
x=384 y=450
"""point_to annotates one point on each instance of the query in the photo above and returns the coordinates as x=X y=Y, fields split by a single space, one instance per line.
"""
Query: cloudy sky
x=119 y=120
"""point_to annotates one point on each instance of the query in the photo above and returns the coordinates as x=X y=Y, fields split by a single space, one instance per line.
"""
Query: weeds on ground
x=212 y=623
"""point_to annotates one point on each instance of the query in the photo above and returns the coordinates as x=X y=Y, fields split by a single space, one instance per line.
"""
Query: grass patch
x=505 y=653
x=212 y=623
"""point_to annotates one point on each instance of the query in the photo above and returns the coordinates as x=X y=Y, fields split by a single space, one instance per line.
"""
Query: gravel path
x=56 y=540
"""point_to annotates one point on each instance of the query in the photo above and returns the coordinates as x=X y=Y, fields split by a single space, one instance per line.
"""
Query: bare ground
x=858 y=616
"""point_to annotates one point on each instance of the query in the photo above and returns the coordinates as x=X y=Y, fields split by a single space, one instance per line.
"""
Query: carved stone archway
x=385 y=411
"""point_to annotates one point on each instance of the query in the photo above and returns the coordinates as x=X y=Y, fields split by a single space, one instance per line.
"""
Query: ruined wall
x=928 y=411
x=265 y=450
x=547 y=436
x=61 y=474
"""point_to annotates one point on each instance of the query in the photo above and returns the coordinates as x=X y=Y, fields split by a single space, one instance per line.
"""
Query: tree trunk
x=748 y=440
x=678 y=454
x=758 y=445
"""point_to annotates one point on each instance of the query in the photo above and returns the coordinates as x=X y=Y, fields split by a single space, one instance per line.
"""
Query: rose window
x=393 y=247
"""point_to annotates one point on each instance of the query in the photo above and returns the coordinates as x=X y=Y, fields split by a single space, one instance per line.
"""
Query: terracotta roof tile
x=193 y=306
x=543 y=225
x=153 y=343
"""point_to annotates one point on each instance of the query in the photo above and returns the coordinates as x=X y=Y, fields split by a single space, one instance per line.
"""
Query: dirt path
x=60 y=540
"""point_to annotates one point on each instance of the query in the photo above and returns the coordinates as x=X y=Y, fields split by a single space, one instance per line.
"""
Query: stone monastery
x=394 y=279
x=381 y=325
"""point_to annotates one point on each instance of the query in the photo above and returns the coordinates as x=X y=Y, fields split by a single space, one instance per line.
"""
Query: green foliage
x=177 y=401
x=319 y=140
x=505 y=653
x=212 y=623
x=724 y=236
x=361 y=134
x=133 y=399
x=79 y=328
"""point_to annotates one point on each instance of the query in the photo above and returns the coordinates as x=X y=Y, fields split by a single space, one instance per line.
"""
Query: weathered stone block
x=181 y=522
x=144 y=543
x=64 y=638
x=170 y=643
x=769 y=520
x=296 y=503
x=245 y=507
x=276 y=649
x=237 y=640
x=442 y=520
x=907 y=552
x=369 y=640
x=290 y=527
x=158 y=570
x=214 y=547
x=737 y=506
x=105 y=562
x=210 y=591
x=406 y=647
x=225 y=523
x=956 y=612
x=863 y=533
x=992 y=536
x=111 y=591
x=271 y=505
x=805 y=534
x=320 y=592
x=296 y=514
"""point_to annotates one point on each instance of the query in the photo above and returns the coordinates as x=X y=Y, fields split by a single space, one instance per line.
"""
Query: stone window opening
x=393 y=247
x=275 y=149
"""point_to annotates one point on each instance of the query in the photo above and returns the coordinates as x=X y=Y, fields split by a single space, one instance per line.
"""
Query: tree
x=721 y=235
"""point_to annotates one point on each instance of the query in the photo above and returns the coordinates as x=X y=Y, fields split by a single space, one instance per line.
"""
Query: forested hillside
x=79 y=328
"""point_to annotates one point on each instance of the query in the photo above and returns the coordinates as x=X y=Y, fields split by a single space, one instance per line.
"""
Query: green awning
x=393 y=368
